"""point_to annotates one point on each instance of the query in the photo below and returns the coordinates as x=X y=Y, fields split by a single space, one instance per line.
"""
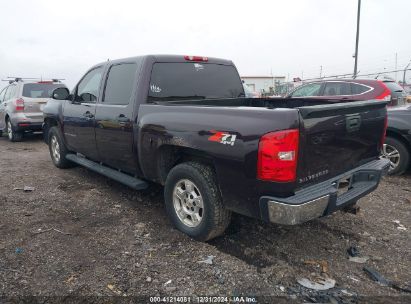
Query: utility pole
x=405 y=70
x=396 y=67
x=357 y=39
x=321 y=70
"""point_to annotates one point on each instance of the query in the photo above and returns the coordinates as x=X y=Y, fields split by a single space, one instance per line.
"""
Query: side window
x=119 y=84
x=2 y=94
x=10 y=92
x=358 y=88
x=312 y=89
x=88 y=88
x=337 y=88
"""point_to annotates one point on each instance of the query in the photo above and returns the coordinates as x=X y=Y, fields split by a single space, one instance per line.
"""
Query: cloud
x=64 y=38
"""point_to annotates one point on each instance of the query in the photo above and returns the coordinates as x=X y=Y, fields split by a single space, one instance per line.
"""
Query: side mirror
x=60 y=94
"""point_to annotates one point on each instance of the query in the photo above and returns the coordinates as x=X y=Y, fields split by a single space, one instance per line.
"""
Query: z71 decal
x=222 y=137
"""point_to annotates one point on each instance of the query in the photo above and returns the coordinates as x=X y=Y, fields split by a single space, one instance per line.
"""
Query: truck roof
x=169 y=58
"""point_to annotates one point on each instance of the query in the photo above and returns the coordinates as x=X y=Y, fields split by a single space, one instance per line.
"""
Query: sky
x=293 y=38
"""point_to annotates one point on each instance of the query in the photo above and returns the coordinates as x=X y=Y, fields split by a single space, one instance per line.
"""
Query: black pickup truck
x=184 y=122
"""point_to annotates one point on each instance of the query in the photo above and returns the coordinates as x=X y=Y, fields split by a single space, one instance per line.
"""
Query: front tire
x=398 y=155
x=193 y=201
x=58 y=149
x=13 y=135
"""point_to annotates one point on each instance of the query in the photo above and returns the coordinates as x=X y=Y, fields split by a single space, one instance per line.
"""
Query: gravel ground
x=81 y=234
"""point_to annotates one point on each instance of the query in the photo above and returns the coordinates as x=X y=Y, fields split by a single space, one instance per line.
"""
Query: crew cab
x=184 y=122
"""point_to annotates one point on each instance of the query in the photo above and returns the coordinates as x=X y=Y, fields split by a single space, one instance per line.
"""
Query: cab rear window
x=194 y=80
x=39 y=90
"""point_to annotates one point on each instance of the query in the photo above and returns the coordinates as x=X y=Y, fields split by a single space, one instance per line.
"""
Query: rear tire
x=58 y=149
x=13 y=135
x=398 y=155
x=194 y=203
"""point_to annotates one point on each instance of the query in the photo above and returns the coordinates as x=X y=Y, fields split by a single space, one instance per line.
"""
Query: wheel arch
x=398 y=136
x=49 y=122
x=170 y=156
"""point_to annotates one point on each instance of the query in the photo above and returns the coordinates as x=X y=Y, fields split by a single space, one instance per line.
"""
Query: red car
x=352 y=89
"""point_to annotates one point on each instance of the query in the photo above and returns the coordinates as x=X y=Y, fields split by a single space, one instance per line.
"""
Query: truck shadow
x=263 y=244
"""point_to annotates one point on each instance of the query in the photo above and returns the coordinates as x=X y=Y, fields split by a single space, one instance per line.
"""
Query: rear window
x=39 y=90
x=194 y=80
x=394 y=87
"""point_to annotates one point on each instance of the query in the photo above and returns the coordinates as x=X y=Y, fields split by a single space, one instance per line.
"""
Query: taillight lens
x=386 y=94
x=277 y=156
x=384 y=132
x=195 y=58
x=19 y=103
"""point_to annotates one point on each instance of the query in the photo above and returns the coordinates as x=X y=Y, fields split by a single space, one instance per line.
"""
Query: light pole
x=357 y=39
x=405 y=70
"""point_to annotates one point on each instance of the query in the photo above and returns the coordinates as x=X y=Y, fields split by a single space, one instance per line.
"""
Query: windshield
x=39 y=90
x=194 y=80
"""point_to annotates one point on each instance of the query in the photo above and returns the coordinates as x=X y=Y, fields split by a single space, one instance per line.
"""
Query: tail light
x=19 y=103
x=386 y=94
x=384 y=132
x=195 y=58
x=277 y=156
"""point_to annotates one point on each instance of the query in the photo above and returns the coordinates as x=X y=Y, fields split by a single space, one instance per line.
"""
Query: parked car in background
x=249 y=93
x=352 y=90
x=397 y=146
x=21 y=106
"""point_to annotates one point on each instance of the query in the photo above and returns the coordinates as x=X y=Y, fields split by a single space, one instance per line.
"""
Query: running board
x=123 y=178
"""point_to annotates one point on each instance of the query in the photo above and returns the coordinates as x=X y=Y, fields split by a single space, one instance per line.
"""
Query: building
x=263 y=84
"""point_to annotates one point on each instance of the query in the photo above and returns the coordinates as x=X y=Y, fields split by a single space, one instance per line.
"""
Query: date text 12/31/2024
x=203 y=299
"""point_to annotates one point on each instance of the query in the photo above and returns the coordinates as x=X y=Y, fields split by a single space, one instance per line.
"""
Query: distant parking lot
x=78 y=233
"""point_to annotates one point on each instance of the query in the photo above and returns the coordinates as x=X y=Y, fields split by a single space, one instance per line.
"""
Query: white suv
x=21 y=106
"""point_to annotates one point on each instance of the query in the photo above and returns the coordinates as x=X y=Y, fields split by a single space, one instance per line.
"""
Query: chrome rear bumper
x=323 y=198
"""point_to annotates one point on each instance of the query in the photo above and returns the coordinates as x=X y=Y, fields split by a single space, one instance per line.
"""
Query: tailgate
x=33 y=107
x=338 y=137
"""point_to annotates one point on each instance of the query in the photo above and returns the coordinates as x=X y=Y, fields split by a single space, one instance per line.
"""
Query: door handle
x=88 y=115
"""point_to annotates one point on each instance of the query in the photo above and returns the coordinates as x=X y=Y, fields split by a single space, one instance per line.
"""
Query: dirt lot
x=82 y=234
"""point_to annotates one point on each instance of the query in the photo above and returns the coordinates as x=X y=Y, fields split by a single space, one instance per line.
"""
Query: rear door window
x=312 y=89
x=194 y=80
x=39 y=90
x=337 y=89
x=120 y=84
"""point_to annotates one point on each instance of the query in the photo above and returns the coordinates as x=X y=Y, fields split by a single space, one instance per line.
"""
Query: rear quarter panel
x=190 y=127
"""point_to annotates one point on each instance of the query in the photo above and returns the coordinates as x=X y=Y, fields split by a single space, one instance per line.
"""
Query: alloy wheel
x=55 y=148
x=9 y=130
x=188 y=203
x=392 y=154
